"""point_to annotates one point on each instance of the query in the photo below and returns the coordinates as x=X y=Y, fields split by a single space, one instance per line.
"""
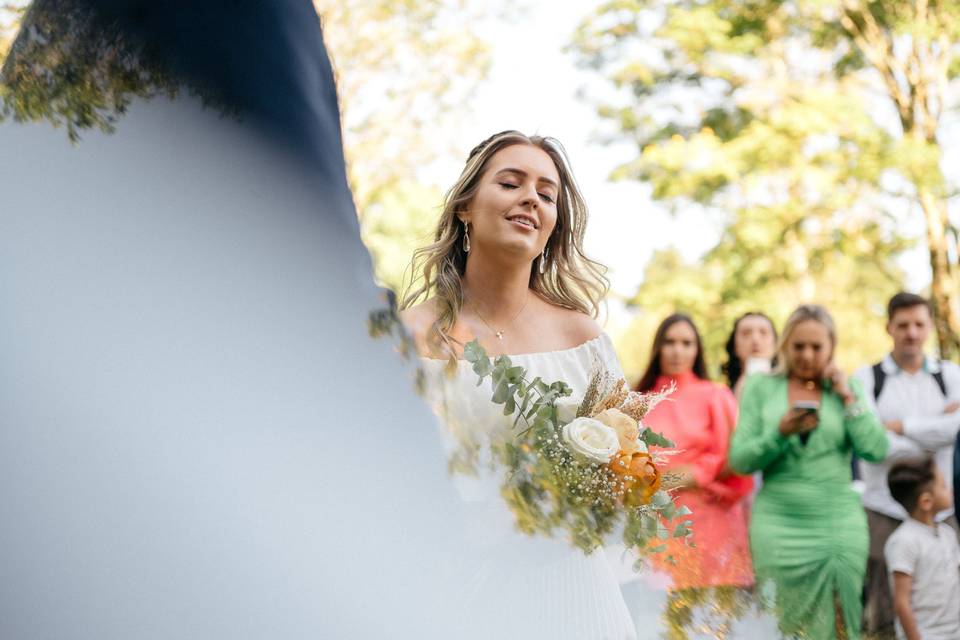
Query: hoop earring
x=466 y=237
x=543 y=260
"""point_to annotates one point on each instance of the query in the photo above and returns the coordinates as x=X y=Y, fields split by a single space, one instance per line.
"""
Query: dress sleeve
x=711 y=469
x=753 y=448
x=722 y=413
x=867 y=436
x=606 y=355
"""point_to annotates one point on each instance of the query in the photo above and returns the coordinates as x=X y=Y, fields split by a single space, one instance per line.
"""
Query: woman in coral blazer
x=699 y=418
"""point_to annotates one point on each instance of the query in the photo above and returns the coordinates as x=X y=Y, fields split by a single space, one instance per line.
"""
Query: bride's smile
x=524 y=221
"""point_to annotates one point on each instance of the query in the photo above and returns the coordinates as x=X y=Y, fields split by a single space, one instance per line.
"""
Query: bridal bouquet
x=582 y=466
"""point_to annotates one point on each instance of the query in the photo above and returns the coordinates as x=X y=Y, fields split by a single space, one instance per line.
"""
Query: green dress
x=808 y=530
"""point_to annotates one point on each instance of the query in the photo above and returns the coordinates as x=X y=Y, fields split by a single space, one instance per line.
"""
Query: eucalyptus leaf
x=473 y=352
x=515 y=374
x=669 y=511
x=523 y=406
x=654 y=439
x=660 y=499
x=501 y=393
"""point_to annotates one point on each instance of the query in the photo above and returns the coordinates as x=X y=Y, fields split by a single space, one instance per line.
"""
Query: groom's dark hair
x=904 y=300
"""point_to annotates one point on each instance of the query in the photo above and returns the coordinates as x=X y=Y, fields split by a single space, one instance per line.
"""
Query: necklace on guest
x=500 y=333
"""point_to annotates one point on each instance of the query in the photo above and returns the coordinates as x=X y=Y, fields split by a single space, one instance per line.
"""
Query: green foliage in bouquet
x=548 y=487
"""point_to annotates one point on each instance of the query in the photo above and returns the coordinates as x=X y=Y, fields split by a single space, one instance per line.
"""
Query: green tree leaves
x=778 y=119
x=406 y=72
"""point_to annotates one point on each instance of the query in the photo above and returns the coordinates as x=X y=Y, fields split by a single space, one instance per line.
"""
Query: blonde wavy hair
x=801 y=314
x=570 y=279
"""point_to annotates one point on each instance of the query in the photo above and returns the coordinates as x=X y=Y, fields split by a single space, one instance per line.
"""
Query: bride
x=507 y=269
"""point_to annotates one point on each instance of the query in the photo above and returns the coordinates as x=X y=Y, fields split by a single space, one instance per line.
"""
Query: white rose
x=628 y=429
x=567 y=409
x=591 y=439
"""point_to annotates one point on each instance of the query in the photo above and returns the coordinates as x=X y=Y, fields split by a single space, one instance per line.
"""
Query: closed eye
x=546 y=198
x=507 y=185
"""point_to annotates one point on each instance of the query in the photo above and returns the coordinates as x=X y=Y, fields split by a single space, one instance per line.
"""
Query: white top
x=578 y=594
x=916 y=400
x=932 y=557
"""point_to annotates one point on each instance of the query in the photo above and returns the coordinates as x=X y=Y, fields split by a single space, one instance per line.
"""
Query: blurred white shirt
x=916 y=400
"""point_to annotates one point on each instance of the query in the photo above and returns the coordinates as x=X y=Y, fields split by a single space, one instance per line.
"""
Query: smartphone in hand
x=807 y=406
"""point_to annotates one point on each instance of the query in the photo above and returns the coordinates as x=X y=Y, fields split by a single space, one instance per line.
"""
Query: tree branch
x=879 y=51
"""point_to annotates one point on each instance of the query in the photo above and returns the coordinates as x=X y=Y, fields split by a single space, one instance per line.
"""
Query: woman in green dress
x=808 y=532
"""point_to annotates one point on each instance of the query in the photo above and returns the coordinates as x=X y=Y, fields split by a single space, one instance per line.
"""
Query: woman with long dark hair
x=699 y=418
x=751 y=348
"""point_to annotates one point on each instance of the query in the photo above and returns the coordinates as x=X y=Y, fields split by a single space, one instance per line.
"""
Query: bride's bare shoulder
x=418 y=319
x=577 y=327
x=419 y=316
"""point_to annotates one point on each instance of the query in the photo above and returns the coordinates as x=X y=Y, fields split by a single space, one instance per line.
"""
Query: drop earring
x=466 y=237
x=543 y=260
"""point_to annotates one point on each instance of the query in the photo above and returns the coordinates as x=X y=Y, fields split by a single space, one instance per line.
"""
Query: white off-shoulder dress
x=573 y=595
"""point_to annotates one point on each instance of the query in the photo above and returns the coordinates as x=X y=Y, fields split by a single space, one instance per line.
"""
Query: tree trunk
x=943 y=288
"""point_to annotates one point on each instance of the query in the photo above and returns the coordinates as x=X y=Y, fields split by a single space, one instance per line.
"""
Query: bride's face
x=514 y=210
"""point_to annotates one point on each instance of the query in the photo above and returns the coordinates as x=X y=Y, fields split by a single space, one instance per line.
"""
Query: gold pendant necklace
x=500 y=333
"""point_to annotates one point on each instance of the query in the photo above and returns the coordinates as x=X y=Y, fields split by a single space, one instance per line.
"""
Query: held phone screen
x=809 y=406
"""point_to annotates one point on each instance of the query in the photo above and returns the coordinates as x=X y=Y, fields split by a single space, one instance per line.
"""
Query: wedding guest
x=808 y=532
x=923 y=556
x=916 y=397
x=699 y=418
x=751 y=348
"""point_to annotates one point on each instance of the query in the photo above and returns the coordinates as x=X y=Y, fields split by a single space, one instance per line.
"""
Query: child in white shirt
x=923 y=557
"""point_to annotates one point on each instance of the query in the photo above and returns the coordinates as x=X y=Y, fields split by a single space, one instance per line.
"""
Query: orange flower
x=639 y=474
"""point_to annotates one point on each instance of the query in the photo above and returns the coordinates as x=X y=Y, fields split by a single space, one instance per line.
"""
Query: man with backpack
x=917 y=398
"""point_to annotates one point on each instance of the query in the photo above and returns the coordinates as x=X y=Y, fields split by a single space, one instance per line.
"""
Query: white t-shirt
x=931 y=556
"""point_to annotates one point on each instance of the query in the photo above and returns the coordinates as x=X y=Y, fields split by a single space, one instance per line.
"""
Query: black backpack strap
x=879 y=377
x=956 y=475
x=938 y=376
